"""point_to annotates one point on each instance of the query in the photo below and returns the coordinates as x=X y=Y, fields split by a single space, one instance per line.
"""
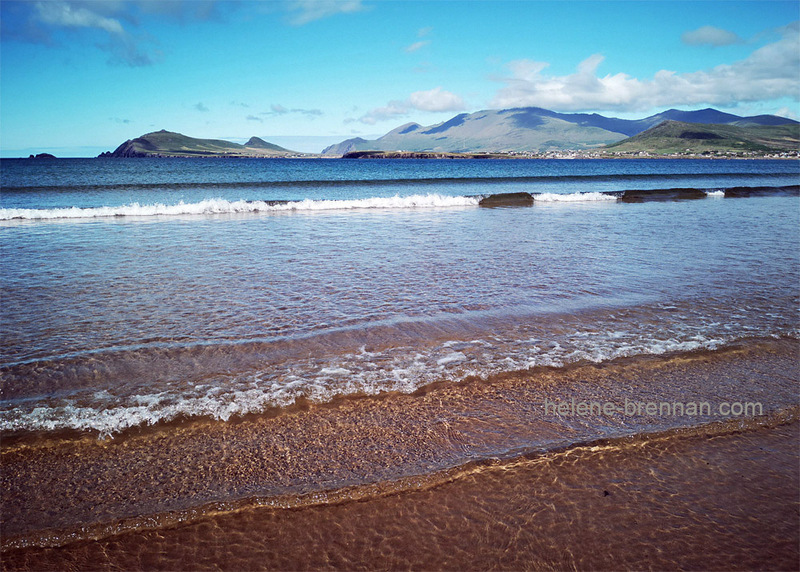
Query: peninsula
x=168 y=144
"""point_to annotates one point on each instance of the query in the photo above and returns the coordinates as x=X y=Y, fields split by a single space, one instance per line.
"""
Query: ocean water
x=135 y=292
x=160 y=294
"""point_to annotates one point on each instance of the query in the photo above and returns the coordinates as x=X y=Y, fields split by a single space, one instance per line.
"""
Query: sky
x=80 y=77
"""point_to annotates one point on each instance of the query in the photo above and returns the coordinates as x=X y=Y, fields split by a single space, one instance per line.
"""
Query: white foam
x=334 y=371
x=716 y=194
x=400 y=369
x=453 y=357
x=223 y=206
x=573 y=197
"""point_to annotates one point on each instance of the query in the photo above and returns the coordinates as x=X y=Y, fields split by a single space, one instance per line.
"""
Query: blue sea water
x=138 y=291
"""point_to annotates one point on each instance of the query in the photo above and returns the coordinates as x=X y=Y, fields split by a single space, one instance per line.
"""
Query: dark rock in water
x=741 y=192
x=662 y=195
x=42 y=156
x=507 y=200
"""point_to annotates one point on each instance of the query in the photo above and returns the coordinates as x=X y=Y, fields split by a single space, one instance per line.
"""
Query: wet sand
x=702 y=501
x=457 y=476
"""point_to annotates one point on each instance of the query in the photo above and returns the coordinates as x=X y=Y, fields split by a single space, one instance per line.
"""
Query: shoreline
x=60 y=491
x=565 y=155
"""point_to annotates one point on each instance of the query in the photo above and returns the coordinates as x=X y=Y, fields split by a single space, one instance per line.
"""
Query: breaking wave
x=222 y=206
x=219 y=206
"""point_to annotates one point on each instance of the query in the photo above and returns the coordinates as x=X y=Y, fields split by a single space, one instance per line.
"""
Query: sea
x=185 y=338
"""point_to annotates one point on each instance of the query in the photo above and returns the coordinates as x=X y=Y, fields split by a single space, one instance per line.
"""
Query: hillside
x=681 y=137
x=533 y=129
x=488 y=131
x=168 y=144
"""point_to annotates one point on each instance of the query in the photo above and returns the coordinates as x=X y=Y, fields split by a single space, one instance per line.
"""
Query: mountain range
x=535 y=129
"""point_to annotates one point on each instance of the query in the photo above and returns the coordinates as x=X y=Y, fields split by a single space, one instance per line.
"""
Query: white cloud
x=66 y=15
x=306 y=11
x=278 y=109
x=50 y=16
x=769 y=73
x=435 y=99
x=709 y=35
x=389 y=111
x=416 y=46
x=421 y=33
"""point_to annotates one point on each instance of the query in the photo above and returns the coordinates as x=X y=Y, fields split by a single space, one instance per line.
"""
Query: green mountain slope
x=679 y=137
x=168 y=144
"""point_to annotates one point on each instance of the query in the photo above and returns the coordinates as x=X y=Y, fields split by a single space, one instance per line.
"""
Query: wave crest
x=222 y=206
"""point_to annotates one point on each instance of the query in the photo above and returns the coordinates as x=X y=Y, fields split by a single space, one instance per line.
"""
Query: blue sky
x=80 y=77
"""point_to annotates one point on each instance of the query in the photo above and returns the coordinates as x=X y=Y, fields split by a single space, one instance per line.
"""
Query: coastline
x=565 y=154
x=169 y=481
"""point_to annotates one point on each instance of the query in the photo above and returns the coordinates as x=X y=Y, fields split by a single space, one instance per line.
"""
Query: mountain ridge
x=165 y=143
x=681 y=137
x=534 y=129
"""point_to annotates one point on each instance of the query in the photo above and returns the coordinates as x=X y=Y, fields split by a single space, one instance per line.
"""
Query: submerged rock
x=507 y=200
x=662 y=195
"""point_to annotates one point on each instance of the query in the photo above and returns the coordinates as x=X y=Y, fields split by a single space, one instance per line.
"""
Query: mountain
x=533 y=129
x=258 y=143
x=682 y=137
x=168 y=144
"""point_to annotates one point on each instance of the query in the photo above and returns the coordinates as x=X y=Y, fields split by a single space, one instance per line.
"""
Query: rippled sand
x=700 y=501
x=473 y=475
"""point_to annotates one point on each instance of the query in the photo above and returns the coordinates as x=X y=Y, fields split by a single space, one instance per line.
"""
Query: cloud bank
x=57 y=22
x=709 y=35
x=770 y=72
x=436 y=99
x=51 y=16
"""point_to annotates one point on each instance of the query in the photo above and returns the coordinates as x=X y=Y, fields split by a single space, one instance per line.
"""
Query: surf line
x=635 y=196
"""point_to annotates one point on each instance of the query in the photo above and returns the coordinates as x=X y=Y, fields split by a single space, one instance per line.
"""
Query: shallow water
x=184 y=337
x=112 y=322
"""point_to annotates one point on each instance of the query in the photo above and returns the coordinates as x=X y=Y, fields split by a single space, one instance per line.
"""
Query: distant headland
x=168 y=144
